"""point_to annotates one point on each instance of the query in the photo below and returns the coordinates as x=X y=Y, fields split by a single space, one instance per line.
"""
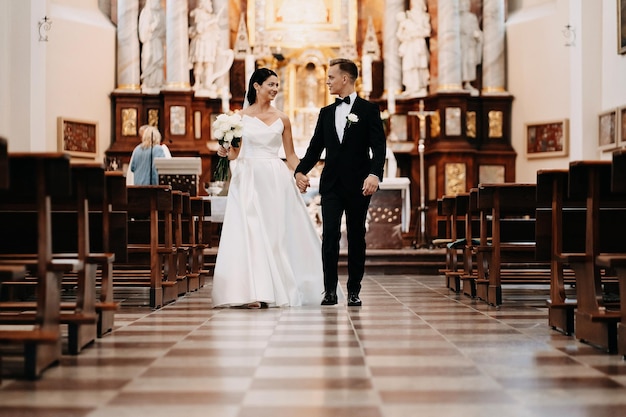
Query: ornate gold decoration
x=495 y=124
x=435 y=124
x=471 y=124
x=129 y=121
x=153 y=117
x=455 y=178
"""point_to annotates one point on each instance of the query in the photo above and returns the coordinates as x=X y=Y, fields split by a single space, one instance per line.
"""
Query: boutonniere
x=351 y=118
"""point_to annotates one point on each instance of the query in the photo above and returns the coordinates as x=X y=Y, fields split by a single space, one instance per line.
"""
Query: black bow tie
x=346 y=100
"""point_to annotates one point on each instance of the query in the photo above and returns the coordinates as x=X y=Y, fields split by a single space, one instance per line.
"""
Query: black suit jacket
x=348 y=162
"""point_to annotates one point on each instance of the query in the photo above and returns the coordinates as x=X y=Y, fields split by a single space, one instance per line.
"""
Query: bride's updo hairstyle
x=258 y=76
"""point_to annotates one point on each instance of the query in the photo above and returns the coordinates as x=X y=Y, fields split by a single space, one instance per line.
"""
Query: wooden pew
x=471 y=256
x=510 y=256
x=595 y=319
x=151 y=259
x=446 y=210
x=200 y=210
x=617 y=261
x=180 y=209
x=559 y=228
x=34 y=179
x=73 y=226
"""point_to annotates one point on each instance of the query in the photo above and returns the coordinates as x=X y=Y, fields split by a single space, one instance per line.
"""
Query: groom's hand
x=302 y=181
x=370 y=185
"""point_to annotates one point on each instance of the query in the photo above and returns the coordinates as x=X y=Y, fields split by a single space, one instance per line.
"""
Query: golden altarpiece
x=467 y=137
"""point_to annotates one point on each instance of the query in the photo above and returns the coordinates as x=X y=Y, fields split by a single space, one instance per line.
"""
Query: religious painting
x=177 y=120
x=297 y=23
x=547 y=139
x=607 y=130
x=621 y=26
x=622 y=125
x=129 y=121
x=78 y=138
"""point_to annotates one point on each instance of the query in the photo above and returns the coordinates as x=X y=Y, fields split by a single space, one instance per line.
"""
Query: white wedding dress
x=269 y=250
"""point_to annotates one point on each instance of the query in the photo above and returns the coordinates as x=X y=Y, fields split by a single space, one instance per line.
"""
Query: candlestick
x=366 y=72
x=249 y=67
x=391 y=101
x=225 y=100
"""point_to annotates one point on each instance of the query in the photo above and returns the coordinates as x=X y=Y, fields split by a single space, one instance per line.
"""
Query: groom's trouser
x=334 y=203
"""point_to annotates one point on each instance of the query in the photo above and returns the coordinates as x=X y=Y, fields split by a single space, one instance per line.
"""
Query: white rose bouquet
x=228 y=130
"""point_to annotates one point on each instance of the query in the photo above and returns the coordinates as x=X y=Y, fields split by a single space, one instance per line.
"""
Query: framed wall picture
x=621 y=126
x=547 y=139
x=621 y=26
x=78 y=137
x=607 y=130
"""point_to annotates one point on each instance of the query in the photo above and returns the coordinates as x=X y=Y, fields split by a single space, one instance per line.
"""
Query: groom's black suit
x=346 y=165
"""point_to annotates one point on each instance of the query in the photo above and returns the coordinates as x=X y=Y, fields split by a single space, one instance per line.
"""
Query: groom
x=347 y=130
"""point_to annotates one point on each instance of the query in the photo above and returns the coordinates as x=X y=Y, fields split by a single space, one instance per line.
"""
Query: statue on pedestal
x=471 y=46
x=204 y=51
x=413 y=29
x=152 y=37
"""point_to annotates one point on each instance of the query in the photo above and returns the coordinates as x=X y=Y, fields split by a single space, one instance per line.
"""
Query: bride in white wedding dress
x=269 y=252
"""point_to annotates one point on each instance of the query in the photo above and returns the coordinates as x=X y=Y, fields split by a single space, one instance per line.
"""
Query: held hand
x=302 y=181
x=370 y=185
x=222 y=151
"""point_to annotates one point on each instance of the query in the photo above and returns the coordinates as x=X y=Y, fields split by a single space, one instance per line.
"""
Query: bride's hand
x=221 y=151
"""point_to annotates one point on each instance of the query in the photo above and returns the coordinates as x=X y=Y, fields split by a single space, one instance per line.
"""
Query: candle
x=391 y=101
x=197 y=124
x=249 y=67
x=366 y=72
x=225 y=100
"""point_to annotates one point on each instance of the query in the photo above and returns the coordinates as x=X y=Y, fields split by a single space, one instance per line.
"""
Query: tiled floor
x=413 y=349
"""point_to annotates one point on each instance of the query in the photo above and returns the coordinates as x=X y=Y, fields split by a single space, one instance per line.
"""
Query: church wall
x=21 y=74
x=551 y=81
x=79 y=84
x=538 y=72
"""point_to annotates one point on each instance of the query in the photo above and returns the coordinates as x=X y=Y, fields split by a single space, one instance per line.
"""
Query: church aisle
x=413 y=349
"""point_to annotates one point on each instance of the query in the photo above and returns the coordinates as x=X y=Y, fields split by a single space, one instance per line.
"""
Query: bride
x=269 y=251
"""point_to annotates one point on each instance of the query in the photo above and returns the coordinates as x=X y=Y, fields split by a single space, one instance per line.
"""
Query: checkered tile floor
x=413 y=349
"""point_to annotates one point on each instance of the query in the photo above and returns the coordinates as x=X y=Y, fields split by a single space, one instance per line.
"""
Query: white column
x=393 y=68
x=449 y=44
x=493 y=47
x=128 y=46
x=177 y=39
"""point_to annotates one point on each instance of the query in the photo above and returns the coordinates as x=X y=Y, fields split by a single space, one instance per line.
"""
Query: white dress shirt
x=341 y=114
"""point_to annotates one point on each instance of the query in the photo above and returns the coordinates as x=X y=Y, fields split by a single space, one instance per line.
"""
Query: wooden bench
x=617 y=261
x=508 y=252
x=448 y=234
x=471 y=256
x=596 y=317
x=200 y=210
x=73 y=226
x=151 y=261
x=559 y=228
x=34 y=180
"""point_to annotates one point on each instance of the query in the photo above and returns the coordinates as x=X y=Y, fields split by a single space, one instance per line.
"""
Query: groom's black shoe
x=354 y=300
x=330 y=299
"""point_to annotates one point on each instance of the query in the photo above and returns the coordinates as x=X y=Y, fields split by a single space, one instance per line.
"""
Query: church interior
x=494 y=269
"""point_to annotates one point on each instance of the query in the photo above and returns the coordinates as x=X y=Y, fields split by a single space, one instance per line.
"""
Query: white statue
x=413 y=29
x=205 y=35
x=471 y=46
x=152 y=36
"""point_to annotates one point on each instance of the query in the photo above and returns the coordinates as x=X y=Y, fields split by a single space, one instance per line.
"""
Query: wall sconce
x=44 y=26
x=569 y=33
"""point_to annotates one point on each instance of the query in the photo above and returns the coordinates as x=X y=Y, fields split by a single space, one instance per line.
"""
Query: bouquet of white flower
x=227 y=129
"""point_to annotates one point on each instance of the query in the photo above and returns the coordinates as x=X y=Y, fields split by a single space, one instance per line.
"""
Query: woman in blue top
x=142 y=159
